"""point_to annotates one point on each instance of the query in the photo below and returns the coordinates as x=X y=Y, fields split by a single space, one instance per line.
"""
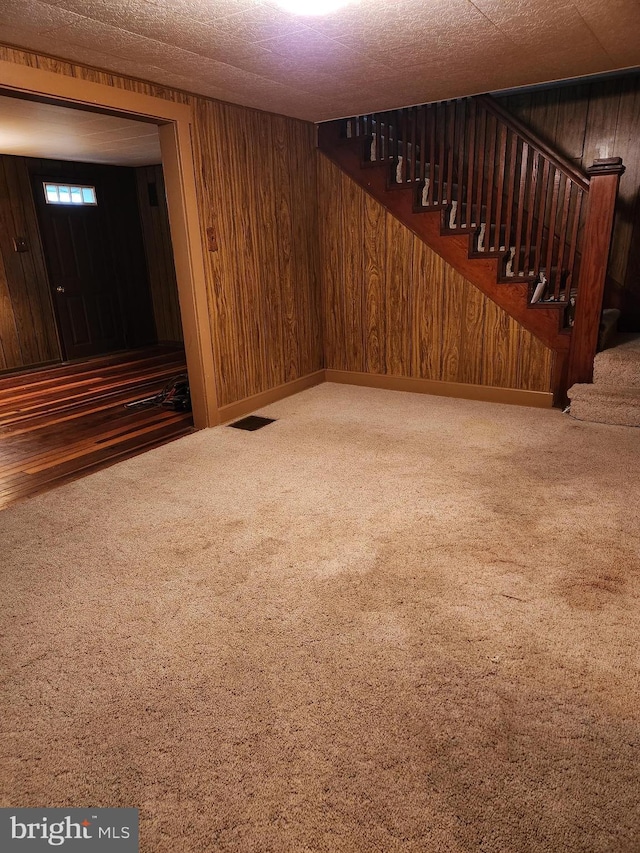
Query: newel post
x=603 y=191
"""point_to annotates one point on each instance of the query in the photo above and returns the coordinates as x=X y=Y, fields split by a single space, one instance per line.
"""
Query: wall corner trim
x=462 y=390
x=250 y=404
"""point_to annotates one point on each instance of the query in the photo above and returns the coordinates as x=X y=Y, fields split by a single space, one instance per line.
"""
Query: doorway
x=95 y=256
x=173 y=121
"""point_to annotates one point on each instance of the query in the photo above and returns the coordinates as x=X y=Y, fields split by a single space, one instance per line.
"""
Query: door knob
x=59 y=289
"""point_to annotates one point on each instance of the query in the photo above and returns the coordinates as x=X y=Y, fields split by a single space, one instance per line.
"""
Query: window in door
x=69 y=194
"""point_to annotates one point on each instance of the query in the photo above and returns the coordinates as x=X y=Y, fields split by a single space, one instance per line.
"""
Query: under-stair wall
x=510 y=214
x=394 y=308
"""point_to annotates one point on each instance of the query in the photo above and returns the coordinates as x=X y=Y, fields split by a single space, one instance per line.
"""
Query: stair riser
x=626 y=372
x=606 y=412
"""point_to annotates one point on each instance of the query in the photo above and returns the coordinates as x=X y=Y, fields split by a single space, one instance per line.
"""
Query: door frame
x=174 y=122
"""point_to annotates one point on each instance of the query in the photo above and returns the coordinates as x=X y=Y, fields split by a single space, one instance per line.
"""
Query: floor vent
x=252 y=423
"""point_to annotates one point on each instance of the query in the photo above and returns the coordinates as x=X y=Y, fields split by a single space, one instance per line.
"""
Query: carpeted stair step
x=606 y=404
x=619 y=365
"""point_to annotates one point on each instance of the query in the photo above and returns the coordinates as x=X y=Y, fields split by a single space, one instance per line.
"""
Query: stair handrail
x=534 y=141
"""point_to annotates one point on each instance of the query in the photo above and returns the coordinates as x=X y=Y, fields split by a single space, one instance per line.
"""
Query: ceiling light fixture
x=313 y=7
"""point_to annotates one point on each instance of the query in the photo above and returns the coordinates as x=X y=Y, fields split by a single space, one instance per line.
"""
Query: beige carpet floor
x=386 y=622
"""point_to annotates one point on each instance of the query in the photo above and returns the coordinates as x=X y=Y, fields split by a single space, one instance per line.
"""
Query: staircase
x=614 y=396
x=514 y=218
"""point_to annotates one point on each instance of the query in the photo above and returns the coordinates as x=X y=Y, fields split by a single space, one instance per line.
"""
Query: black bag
x=176 y=394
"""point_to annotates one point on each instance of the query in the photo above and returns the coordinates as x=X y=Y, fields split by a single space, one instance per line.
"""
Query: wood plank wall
x=255 y=176
x=392 y=306
x=590 y=120
x=157 y=243
x=27 y=328
x=257 y=192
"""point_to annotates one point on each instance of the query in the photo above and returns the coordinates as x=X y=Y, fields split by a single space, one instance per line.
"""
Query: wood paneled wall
x=157 y=243
x=255 y=177
x=257 y=186
x=587 y=121
x=392 y=306
x=27 y=326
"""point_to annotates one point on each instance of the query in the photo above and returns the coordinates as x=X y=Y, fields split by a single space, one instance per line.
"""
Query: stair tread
x=620 y=364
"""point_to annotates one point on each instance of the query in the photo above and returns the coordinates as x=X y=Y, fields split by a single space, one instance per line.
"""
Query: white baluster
x=425 y=192
x=399 y=170
x=483 y=228
x=373 y=156
x=539 y=290
x=453 y=215
x=509 y=267
x=349 y=130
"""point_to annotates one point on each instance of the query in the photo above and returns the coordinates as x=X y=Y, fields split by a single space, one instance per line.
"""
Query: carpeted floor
x=386 y=622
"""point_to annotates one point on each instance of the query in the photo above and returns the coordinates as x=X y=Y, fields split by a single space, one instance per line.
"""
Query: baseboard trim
x=249 y=404
x=485 y=393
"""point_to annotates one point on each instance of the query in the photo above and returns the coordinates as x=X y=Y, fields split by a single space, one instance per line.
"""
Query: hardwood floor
x=61 y=422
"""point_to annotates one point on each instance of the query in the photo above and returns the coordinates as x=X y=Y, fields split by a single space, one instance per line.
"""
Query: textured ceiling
x=33 y=129
x=372 y=55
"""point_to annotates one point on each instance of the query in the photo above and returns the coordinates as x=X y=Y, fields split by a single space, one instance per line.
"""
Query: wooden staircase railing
x=513 y=216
